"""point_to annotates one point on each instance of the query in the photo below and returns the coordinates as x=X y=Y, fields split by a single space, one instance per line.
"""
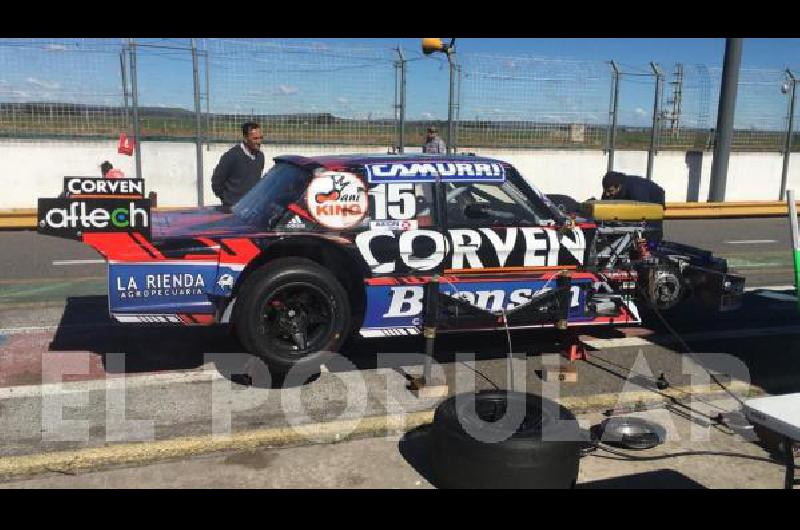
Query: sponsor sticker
x=396 y=306
x=337 y=199
x=295 y=222
x=225 y=282
x=74 y=186
x=154 y=288
x=470 y=249
x=394 y=225
x=147 y=319
x=429 y=172
x=161 y=284
x=72 y=217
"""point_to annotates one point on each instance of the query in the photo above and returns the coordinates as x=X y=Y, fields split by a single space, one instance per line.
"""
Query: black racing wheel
x=292 y=312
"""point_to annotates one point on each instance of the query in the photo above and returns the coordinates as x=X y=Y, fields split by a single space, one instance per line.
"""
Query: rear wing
x=95 y=204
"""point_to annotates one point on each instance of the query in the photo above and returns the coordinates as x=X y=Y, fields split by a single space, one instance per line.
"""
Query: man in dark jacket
x=621 y=187
x=240 y=168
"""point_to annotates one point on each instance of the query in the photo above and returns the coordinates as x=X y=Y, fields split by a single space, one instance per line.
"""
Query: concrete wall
x=34 y=168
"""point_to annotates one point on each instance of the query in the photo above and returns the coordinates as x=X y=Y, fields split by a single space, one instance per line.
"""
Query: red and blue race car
x=323 y=247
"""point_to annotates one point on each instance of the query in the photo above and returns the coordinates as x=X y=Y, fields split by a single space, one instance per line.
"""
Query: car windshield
x=266 y=203
x=545 y=208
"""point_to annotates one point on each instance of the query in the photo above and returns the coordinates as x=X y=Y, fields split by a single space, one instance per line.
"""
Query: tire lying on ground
x=292 y=313
x=541 y=450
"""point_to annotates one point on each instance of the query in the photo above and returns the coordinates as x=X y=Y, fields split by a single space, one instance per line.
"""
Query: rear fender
x=171 y=277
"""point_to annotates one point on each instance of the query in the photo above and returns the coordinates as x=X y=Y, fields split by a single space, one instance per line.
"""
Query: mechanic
x=621 y=187
x=433 y=143
x=240 y=168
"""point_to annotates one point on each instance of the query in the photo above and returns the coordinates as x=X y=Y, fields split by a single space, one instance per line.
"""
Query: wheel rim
x=296 y=318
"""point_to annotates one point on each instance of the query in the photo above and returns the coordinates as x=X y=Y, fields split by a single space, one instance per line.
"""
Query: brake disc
x=665 y=289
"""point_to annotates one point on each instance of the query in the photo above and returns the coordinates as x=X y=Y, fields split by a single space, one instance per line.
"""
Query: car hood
x=198 y=222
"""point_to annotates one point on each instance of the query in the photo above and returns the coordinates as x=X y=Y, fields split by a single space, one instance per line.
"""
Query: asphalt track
x=54 y=328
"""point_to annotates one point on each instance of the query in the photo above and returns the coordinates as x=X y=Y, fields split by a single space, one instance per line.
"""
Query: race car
x=324 y=247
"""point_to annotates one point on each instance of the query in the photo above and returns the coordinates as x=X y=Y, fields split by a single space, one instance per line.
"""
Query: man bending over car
x=621 y=187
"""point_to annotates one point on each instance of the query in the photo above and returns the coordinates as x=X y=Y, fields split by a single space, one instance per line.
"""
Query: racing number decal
x=393 y=201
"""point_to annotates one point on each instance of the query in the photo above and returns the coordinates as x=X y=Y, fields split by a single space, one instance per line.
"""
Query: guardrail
x=712 y=210
x=26 y=217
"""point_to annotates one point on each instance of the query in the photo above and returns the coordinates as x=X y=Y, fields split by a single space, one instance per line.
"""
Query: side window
x=488 y=204
x=401 y=205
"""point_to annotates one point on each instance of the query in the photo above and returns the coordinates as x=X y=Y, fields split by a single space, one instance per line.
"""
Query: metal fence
x=61 y=88
x=307 y=93
x=314 y=93
x=533 y=102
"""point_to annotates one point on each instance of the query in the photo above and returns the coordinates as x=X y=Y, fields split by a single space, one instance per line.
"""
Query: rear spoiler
x=94 y=204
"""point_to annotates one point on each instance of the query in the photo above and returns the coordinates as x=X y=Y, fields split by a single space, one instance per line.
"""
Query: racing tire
x=285 y=281
x=541 y=453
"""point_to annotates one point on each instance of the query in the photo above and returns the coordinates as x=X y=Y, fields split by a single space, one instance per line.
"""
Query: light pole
x=430 y=46
x=788 y=88
x=612 y=138
x=725 y=116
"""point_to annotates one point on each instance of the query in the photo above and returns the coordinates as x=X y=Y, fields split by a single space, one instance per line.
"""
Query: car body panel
x=190 y=269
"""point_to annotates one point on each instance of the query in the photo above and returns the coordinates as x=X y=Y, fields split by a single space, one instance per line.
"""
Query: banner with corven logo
x=70 y=218
x=74 y=186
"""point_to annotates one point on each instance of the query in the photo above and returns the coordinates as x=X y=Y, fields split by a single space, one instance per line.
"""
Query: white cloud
x=343 y=101
x=55 y=48
x=49 y=85
x=640 y=111
x=287 y=90
x=427 y=115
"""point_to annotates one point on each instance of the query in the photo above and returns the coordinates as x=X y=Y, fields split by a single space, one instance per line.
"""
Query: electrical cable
x=685 y=346
x=595 y=445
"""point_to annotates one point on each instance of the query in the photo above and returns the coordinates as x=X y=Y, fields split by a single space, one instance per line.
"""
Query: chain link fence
x=689 y=109
x=165 y=89
x=533 y=102
x=319 y=93
x=760 y=122
x=61 y=88
x=302 y=93
x=687 y=115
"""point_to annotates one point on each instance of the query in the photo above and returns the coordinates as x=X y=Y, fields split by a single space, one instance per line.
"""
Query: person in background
x=240 y=168
x=108 y=171
x=433 y=143
x=621 y=187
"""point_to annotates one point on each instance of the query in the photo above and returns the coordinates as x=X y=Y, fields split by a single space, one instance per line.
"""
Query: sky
x=558 y=80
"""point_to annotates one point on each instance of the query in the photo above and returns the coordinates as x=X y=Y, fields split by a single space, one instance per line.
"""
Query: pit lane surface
x=53 y=319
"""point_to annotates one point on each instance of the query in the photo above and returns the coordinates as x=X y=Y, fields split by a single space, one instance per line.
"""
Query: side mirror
x=476 y=211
